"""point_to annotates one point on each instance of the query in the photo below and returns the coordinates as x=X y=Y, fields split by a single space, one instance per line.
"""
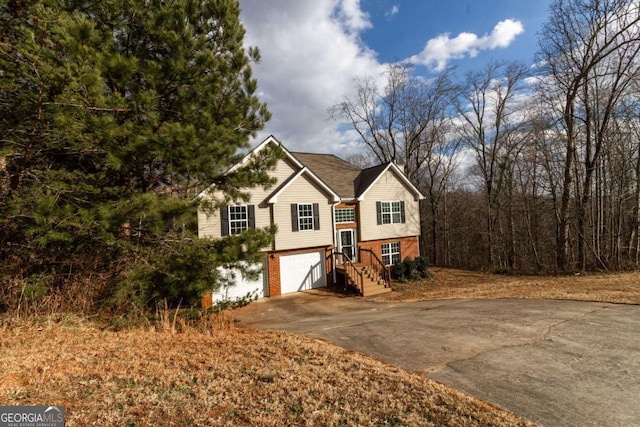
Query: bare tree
x=627 y=128
x=406 y=120
x=376 y=113
x=394 y=117
x=491 y=126
x=587 y=51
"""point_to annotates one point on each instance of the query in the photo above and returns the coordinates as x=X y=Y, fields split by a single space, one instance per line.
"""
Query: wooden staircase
x=373 y=283
x=368 y=278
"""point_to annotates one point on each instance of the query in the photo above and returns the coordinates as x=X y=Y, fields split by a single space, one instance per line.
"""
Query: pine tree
x=114 y=115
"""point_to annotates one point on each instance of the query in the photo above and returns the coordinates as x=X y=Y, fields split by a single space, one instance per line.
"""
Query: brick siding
x=409 y=246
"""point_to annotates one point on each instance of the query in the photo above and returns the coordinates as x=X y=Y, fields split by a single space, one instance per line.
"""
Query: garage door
x=302 y=271
x=241 y=286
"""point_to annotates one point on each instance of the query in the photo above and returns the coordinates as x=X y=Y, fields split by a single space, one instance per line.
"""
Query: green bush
x=411 y=269
x=422 y=266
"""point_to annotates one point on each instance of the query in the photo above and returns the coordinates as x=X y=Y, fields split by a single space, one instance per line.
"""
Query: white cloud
x=311 y=54
x=503 y=34
x=351 y=14
x=440 y=50
x=394 y=10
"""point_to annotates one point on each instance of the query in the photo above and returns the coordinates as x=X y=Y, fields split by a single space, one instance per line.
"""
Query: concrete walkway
x=556 y=363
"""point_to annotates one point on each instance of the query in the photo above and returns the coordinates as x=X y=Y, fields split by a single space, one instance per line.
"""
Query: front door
x=348 y=243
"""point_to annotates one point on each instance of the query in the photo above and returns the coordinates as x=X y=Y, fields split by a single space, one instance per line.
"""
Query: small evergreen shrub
x=411 y=269
x=398 y=272
x=422 y=266
x=232 y=304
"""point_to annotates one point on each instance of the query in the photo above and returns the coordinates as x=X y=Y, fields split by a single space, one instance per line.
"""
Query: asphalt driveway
x=556 y=363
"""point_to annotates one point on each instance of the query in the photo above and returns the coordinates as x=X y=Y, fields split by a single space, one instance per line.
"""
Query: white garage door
x=241 y=286
x=302 y=271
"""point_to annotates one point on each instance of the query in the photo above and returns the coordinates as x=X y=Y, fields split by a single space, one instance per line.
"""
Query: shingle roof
x=338 y=174
x=367 y=177
x=346 y=180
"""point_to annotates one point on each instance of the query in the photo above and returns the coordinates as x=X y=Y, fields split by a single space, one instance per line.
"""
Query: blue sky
x=400 y=29
x=313 y=50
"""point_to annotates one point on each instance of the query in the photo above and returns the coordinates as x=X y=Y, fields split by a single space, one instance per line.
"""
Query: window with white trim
x=345 y=215
x=238 y=219
x=390 y=212
x=391 y=253
x=235 y=219
x=305 y=216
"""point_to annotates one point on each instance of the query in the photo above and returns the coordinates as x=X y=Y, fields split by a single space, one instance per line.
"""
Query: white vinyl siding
x=388 y=188
x=288 y=237
x=209 y=225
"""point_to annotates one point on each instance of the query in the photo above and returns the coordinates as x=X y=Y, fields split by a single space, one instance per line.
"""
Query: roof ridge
x=334 y=171
x=385 y=164
x=324 y=154
x=367 y=177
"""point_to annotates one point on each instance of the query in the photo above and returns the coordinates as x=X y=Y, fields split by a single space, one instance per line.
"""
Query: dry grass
x=235 y=377
x=450 y=283
x=156 y=376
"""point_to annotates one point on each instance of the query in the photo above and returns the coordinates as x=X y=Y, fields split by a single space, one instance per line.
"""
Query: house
x=337 y=224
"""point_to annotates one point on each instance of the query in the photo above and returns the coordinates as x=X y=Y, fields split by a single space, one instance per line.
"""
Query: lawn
x=446 y=283
x=231 y=377
x=214 y=374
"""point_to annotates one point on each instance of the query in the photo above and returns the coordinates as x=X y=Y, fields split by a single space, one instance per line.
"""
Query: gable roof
x=269 y=140
x=349 y=181
x=370 y=176
x=247 y=157
x=338 y=174
x=335 y=198
x=339 y=178
x=367 y=177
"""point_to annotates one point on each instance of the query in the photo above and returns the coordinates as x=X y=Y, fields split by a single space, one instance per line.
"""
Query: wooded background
x=524 y=168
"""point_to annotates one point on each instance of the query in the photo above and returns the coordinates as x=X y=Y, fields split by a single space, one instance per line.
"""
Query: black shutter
x=224 y=221
x=379 y=212
x=251 y=217
x=316 y=216
x=294 y=217
x=402 y=212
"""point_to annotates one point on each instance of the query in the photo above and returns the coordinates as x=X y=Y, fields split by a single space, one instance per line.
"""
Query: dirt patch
x=239 y=377
x=450 y=283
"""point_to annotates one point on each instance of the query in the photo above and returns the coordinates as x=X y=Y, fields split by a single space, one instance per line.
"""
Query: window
x=236 y=219
x=305 y=217
x=390 y=212
x=345 y=215
x=391 y=253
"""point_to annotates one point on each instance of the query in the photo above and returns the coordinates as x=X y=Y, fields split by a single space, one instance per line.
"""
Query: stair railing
x=352 y=272
x=368 y=257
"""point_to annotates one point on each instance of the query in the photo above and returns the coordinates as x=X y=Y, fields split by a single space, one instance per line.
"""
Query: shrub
x=411 y=269
x=422 y=266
